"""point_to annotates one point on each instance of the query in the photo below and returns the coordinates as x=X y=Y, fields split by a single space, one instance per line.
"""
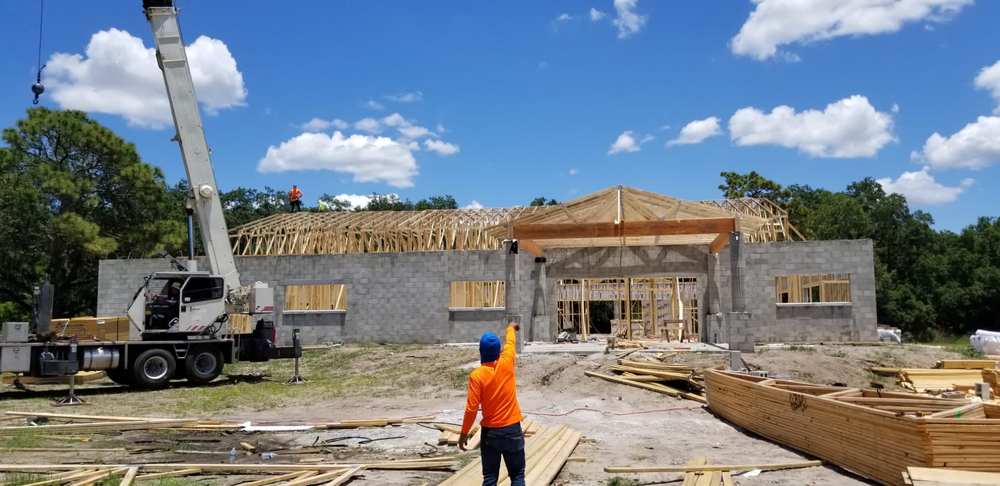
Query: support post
x=297 y=345
x=512 y=311
x=71 y=399
x=738 y=267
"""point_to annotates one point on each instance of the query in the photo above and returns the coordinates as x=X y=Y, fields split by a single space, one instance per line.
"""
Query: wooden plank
x=129 y=476
x=172 y=474
x=390 y=465
x=625 y=229
x=718 y=243
x=346 y=476
x=310 y=477
x=64 y=477
x=129 y=425
x=88 y=480
x=712 y=467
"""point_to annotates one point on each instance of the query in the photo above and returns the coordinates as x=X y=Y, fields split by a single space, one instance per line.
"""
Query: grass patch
x=20 y=479
x=22 y=439
x=172 y=482
x=620 y=481
x=459 y=379
x=956 y=344
x=837 y=353
x=639 y=458
x=888 y=359
x=803 y=349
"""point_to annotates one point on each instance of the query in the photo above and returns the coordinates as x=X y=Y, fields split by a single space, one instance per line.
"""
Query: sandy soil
x=631 y=426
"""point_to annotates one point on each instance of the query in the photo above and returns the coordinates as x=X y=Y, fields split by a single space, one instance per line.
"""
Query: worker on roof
x=295 y=198
x=492 y=386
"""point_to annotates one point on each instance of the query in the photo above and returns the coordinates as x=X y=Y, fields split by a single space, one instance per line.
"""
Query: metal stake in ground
x=297 y=344
x=72 y=399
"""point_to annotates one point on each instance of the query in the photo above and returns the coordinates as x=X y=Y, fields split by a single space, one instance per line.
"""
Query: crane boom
x=204 y=197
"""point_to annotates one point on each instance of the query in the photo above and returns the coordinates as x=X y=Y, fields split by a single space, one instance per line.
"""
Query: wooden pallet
x=875 y=434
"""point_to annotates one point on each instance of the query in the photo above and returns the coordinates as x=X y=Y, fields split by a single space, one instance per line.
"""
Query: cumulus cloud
x=443 y=148
x=367 y=158
x=355 y=200
x=895 y=108
x=848 y=128
x=375 y=105
x=596 y=15
x=564 y=17
x=574 y=171
x=697 y=131
x=976 y=146
x=989 y=79
x=406 y=97
x=775 y=23
x=118 y=75
x=440 y=128
x=369 y=125
x=473 y=205
x=624 y=143
x=920 y=188
x=628 y=21
x=319 y=125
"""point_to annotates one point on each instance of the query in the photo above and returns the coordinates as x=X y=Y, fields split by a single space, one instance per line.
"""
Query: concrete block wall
x=391 y=297
x=811 y=322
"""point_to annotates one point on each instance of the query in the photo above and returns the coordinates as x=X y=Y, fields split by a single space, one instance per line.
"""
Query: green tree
x=242 y=206
x=437 y=202
x=541 y=201
x=751 y=185
x=84 y=194
x=389 y=202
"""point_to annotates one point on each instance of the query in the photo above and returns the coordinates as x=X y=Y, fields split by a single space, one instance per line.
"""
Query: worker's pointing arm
x=510 y=345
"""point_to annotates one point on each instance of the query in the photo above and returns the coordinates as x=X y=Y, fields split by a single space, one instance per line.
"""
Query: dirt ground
x=631 y=426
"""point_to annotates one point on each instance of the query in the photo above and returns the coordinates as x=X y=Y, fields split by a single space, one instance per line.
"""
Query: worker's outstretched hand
x=462 y=439
x=516 y=326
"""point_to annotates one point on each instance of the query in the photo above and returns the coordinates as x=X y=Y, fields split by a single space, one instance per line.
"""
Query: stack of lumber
x=545 y=453
x=99 y=423
x=698 y=472
x=670 y=379
x=923 y=476
x=942 y=379
x=967 y=364
x=875 y=434
x=993 y=378
x=81 y=377
x=286 y=474
x=450 y=434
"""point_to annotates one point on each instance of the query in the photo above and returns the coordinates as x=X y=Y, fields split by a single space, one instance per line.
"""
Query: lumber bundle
x=921 y=380
x=698 y=472
x=545 y=454
x=81 y=377
x=670 y=379
x=922 y=476
x=967 y=364
x=98 y=423
x=450 y=434
x=993 y=378
x=875 y=434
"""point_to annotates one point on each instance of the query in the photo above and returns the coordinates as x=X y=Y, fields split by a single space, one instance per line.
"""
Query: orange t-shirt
x=492 y=386
x=294 y=194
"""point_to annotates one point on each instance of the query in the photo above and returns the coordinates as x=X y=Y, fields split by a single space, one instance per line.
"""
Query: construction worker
x=492 y=386
x=295 y=198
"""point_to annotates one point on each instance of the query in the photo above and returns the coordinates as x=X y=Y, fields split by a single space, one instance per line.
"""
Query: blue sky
x=546 y=98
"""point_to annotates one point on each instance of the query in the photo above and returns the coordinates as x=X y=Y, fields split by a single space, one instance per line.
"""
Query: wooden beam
x=625 y=229
x=531 y=247
x=718 y=243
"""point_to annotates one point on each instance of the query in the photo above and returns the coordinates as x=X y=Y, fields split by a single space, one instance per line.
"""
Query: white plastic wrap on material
x=986 y=342
x=887 y=336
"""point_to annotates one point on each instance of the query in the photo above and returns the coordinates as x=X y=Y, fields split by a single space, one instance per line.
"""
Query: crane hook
x=38 y=88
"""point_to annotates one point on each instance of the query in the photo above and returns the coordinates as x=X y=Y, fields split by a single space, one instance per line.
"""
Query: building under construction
x=620 y=261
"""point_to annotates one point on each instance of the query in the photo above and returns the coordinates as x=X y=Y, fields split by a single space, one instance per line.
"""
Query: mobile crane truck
x=178 y=324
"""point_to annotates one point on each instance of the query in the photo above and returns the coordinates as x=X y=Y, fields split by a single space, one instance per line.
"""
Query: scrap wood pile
x=698 y=472
x=670 y=379
x=98 y=423
x=450 y=434
x=286 y=474
x=545 y=453
x=873 y=433
x=924 y=476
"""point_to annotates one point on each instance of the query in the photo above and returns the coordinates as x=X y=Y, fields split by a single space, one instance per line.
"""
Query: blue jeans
x=507 y=442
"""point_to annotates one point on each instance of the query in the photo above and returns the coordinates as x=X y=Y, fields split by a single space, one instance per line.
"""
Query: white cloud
x=355 y=200
x=319 y=125
x=118 y=75
x=895 y=108
x=596 y=15
x=574 y=171
x=976 y=146
x=406 y=97
x=848 y=128
x=697 y=131
x=920 y=188
x=624 y=143
x=564 y=17
x=375 y=105
x=413 y=131
x=665 y=127
x=775 y=23
x=443 y=148
x=440 y=128
x=647 y=138
x=367 y=158
x=473 y=205
x=369 y=125
x=989 y=79
x=627 y=21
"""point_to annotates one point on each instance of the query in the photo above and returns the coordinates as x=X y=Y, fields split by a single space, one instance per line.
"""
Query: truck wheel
x=121 y=377
x=203 y=364
x=154 y=368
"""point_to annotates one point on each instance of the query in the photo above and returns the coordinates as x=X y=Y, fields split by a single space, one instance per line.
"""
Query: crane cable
x=37 y=88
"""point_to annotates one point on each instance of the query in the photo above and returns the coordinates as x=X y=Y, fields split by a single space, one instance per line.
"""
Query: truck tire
x=203 y=364
x=154 y=368
x=121 y=377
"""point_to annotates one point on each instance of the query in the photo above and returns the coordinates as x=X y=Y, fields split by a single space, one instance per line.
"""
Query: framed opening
x=326 y=297
x=660 y=307
x=829 y=288
x=477 y=294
